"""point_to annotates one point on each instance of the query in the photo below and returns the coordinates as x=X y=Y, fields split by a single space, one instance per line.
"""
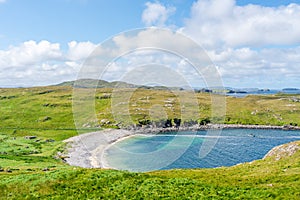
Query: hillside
x=91 y=83
x=30 y=167
x=51 y=108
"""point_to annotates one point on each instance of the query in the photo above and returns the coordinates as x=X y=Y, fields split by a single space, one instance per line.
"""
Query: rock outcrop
x=284 y=150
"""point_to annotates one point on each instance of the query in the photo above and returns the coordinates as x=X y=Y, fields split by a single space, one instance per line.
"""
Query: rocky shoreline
x=149 y=129
x=282 y=151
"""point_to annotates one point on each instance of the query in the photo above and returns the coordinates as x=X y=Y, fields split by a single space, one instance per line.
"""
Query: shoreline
x=88 y=150
x=149 y=129
x=104 y=163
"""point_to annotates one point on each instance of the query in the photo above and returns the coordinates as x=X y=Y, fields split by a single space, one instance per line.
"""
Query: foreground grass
x=264 y=179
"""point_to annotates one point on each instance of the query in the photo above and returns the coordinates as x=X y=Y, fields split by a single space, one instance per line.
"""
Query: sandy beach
x=87 y=150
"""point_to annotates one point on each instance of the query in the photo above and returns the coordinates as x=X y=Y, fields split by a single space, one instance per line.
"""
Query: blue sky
x=80 y=20
x=37 y=27
x=83 y=20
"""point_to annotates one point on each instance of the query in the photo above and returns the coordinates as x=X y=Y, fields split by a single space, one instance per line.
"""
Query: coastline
x=88 y=150
x=103 y=161
x=151 y=129
x=84 y=150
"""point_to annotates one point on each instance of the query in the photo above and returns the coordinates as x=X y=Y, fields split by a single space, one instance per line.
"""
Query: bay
x=181 y=149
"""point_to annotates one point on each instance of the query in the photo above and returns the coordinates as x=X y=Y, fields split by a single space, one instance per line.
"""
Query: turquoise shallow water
x=181 y=149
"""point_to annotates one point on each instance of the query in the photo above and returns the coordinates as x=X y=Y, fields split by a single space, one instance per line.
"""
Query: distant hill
x=93 y=83
x=286 y=89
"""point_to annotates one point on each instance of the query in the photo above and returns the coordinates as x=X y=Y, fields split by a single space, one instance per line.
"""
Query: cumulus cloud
x=29 y=53
x=155 y=46
x=41 y=63
x=156 y=14
x=80 y=50
x=267 y=67
x=243 y=41
x=217 y=23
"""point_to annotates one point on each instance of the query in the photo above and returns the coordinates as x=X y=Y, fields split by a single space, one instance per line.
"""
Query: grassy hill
x=91 y=83
x=51 y=108
x=30 y=168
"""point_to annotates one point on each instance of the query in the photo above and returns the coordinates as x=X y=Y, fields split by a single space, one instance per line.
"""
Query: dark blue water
x=263 y=92
x=182 y=150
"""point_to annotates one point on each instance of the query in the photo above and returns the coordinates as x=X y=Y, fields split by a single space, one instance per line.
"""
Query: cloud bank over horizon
x=251 y=45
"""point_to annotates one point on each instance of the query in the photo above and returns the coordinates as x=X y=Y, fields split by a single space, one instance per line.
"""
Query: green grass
x=263 y=179
x=269 y=110
x=46 y=112
x=50 y=108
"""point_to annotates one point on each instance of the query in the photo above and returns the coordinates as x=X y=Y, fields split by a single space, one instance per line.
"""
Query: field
x=35 y=121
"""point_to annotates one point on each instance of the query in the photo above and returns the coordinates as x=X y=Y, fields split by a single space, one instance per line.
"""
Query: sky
x=253 y=44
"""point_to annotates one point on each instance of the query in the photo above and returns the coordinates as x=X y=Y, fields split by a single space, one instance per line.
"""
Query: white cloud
x=156 y=14
x=29 y=53
x=41 y=63
x=219 y=23
x=243 y=41
x=268 y=67
x=80 y=50
x=240 y=67
x=159 y=47
x=2 y=1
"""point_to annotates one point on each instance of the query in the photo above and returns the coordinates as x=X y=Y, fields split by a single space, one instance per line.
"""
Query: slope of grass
x=50 y=108
x=46 y=112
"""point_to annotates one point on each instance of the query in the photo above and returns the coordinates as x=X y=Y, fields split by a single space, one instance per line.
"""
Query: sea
x=194 y=149
x=264 y=92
